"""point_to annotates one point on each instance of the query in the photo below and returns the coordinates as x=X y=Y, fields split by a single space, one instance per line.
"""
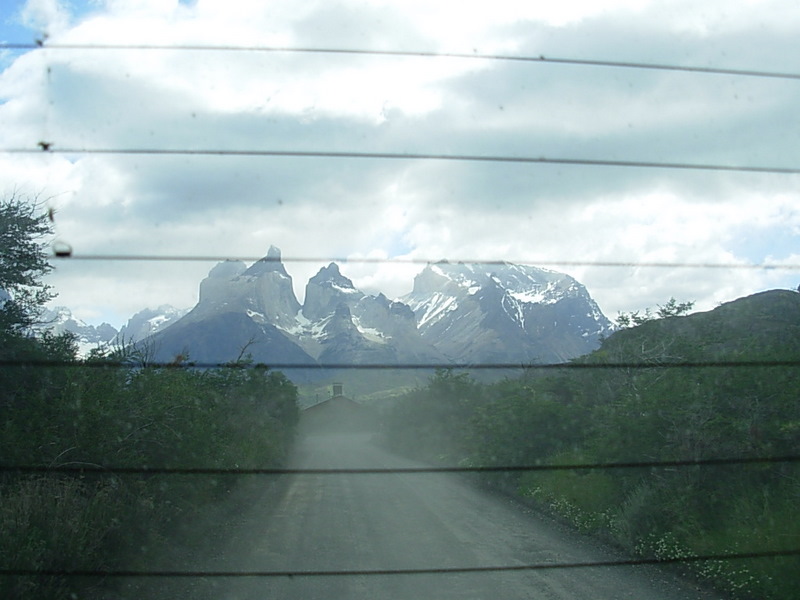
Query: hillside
x=709 y=386
x=762 y=326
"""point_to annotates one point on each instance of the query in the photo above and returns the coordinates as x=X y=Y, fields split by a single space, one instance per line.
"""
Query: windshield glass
x=380 y=300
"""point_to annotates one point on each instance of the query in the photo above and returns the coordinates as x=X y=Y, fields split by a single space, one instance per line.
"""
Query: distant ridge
x=456 y=313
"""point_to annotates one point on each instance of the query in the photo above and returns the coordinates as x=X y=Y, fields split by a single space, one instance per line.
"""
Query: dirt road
x=327 y=522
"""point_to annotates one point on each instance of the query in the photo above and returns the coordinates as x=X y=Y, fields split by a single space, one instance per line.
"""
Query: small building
x=338 y=413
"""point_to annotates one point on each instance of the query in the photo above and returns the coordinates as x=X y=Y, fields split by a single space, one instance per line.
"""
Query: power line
x=425 y=261
x=83 y=469
x=531 y=59
x=49 y=147
x=579 y=366
x=385 y=572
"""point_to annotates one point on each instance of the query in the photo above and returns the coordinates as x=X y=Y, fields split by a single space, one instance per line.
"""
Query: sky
x=403 y=212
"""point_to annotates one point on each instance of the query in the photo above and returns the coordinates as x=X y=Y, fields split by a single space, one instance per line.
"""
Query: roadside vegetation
x=647 y=412
x=106 y=412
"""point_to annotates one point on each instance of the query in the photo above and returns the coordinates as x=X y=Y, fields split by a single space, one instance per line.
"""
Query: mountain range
x=59 y=319
x=456 y=313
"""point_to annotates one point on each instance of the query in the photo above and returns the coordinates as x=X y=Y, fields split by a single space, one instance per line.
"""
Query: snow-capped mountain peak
x=328 y=289
x=482 y=311
x=149 y=321
x=60 y=319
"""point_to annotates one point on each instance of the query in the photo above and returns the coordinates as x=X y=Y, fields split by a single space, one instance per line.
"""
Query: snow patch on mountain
x=148 y=322
x=370 y=333
x=532 y=297
x=344 y=290
x=434 y=308
x=59 y=320
x=257 y=316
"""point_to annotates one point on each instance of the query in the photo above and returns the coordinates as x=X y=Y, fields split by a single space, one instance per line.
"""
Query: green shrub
x=51 y=523
x=98 y=416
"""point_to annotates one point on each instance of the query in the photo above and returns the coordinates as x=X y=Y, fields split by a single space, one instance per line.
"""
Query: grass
x=54 y=523
x=647 y=523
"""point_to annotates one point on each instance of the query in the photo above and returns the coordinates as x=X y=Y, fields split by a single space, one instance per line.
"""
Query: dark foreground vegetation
x=102 y=414
x=88 y=415
x=647 y=412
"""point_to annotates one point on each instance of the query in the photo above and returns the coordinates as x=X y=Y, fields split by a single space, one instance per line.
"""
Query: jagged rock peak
x=325 y=290
x=227 y=269
x=269 y=264
x=274 y=253
x=216 y=286
x=331 y=270
x=331 y=274
x=431 y=278
x=148 y=321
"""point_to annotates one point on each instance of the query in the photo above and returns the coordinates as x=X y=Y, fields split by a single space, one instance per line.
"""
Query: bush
x=104 y=416
x=51 y=523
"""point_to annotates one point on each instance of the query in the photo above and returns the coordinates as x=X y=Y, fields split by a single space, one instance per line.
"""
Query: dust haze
x=325 y=522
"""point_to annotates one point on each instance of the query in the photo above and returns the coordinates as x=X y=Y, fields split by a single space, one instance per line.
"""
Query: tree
x=23 y=262
x=672 y=308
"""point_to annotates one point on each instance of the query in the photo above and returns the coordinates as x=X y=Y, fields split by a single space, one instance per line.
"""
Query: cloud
x=232 y=205
x=48 y=17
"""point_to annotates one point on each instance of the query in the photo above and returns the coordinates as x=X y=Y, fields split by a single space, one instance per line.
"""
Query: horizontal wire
x=665 y=464
x=538 y=59
x=111 y=364
x=383 y=572
x=50 y=148
x=424 y=261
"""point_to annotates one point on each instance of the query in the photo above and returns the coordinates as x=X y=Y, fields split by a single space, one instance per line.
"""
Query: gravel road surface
x=348 y=522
